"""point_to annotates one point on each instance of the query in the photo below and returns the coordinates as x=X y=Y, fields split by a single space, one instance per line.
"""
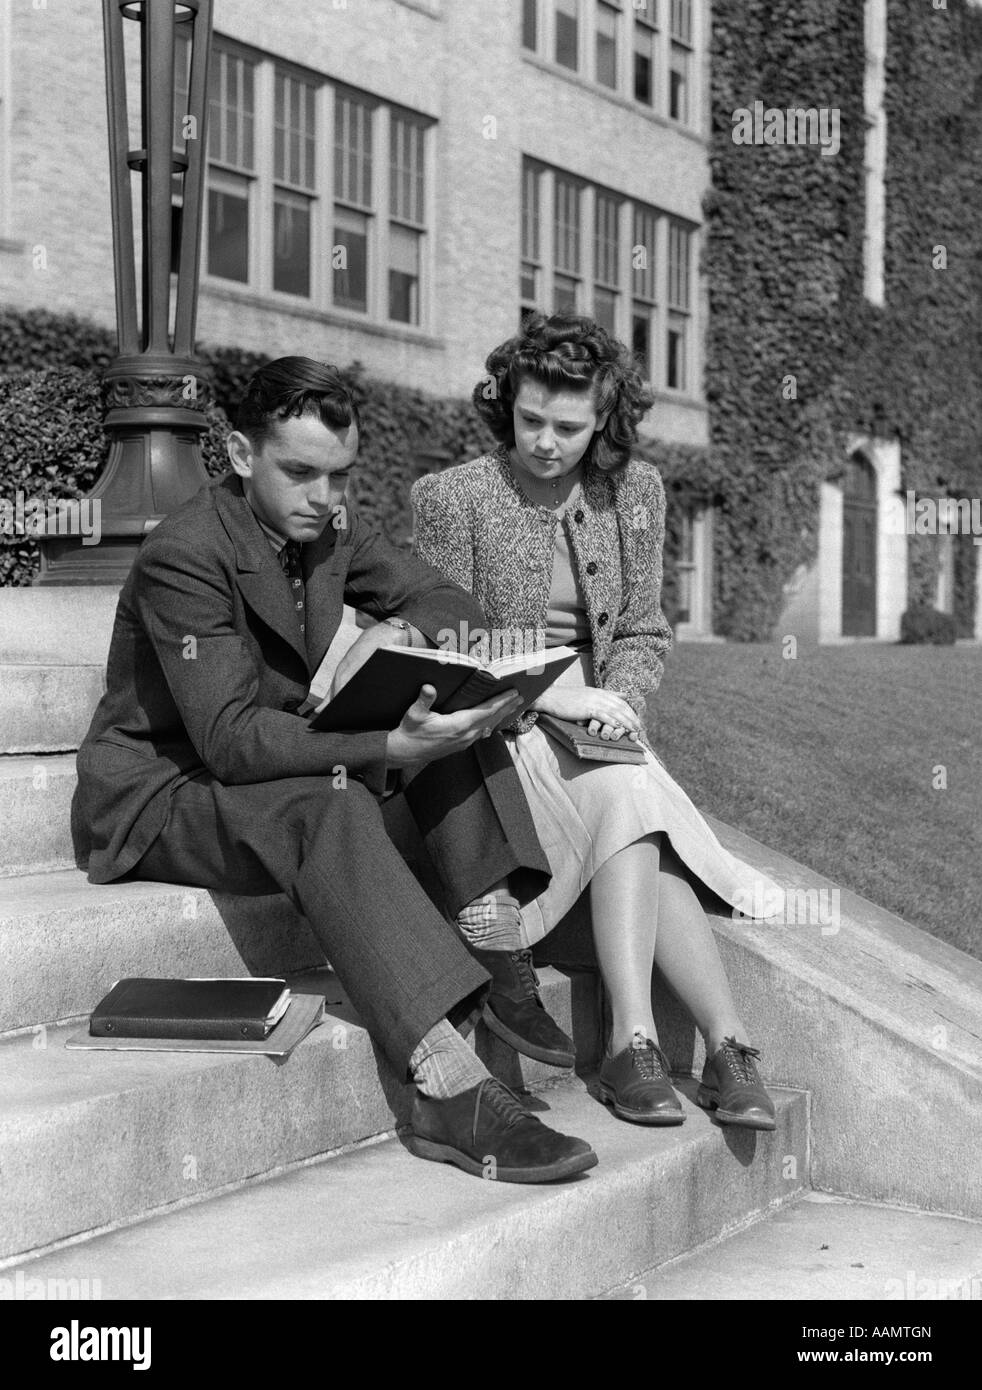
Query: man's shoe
x=635 y=1083
x=731 y=1086
x=486 y=1132
x=514 y=1010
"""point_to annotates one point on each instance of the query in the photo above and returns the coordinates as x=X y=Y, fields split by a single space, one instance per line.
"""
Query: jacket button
x=601 y=619
x=578 y=516
x=591 y=567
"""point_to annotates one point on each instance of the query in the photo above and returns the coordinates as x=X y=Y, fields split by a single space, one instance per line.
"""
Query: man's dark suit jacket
x=207 y=660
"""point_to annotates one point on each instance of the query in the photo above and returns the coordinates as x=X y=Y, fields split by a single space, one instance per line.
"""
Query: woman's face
x=553 y=429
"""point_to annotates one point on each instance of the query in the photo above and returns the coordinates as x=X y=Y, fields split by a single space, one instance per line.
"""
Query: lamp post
x=153 y=389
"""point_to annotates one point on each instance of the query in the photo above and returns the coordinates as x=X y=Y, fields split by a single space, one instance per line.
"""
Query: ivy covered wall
x=784 y=264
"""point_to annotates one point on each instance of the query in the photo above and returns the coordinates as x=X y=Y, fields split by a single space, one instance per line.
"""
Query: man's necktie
x=292 y=568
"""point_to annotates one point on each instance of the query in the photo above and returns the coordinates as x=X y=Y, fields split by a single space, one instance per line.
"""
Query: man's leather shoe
x=636 y=1084
x=486 y=1132
x=732 y=1087
x=514 y=1010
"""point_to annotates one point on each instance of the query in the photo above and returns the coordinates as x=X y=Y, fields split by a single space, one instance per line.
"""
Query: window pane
x=646 y=12
x=678 y=267
x=605 y=309
x=351 y=279
x=567 y=33
x=564 y=295
x=530 y=213
x=231 y=111
x=643 y=254
x=352 y=151
x=228 y=230
x=291 y=243
x=644 y=66
x=678 y=94
x=529 y=283
x=641 y=337
x=403 y=274
x=293 y=134
x=682 y=20
x=606 y=266
x=607 y=46
x=530 y=35
x=406 y=190
x=675 y=370
x=567 y=226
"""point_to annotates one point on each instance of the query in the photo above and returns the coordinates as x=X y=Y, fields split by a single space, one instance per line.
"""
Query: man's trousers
x=326 y=847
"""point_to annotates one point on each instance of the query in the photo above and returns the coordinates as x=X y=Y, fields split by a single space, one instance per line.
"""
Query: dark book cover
x=591 y=747
x=140 y=1007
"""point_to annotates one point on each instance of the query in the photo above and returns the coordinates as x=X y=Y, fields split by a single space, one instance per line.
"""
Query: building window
x=606 y=261
x=645 y=54
x=530 y=24
x=608 y=18
x=693 y=573
x=634 y=276
x=231 y=129
x=353 y=202
x=294 y=183
x=643 y=282
x=265 y=223
x=566 y=246
x=679 y=309
x=530 y=288
x=567 y=21
x=406 y=199
x=680 y=76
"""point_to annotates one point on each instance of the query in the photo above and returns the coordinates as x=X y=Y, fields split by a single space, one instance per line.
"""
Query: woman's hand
x=603 y=711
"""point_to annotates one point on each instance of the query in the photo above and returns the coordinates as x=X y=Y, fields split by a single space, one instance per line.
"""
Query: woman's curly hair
x=566 y=352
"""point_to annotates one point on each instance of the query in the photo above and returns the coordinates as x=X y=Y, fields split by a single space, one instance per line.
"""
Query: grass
x=831 y=759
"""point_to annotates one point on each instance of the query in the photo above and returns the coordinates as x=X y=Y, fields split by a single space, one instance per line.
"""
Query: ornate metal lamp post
x=152 y=389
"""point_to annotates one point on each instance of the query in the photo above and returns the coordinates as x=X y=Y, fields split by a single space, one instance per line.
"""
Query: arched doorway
x=859 y=548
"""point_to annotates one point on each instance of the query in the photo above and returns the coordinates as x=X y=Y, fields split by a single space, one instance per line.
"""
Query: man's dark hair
x=293 y=386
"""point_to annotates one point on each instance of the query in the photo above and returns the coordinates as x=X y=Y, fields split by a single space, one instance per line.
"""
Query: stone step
x=47 y=709
x=829 y=1248
x=69 y=626
x=377 y=1223
x=64 y=941
x=94 y=1138
x=35 y=803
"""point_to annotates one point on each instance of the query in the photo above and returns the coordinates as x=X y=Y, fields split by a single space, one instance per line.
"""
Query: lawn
x=831 y=758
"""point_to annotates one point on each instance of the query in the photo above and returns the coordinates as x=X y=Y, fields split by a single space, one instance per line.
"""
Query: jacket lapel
x=261 y=581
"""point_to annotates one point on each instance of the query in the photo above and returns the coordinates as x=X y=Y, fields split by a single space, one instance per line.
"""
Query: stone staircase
x=171 y=1175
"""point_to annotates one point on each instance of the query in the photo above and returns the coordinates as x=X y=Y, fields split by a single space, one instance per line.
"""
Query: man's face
x=296 y=481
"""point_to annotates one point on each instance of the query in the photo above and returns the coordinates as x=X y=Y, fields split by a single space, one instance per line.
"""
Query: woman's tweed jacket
x=475 y=524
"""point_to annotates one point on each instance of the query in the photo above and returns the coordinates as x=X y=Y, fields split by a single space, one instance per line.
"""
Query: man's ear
x=240 y=453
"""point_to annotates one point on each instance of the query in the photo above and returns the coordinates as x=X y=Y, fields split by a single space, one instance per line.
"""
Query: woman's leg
x=645 y=912
x=624 y=906
x=687 y=955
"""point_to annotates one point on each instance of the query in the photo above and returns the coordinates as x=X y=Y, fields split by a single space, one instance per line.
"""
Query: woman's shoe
x=514 y=1011
x=732 y=1087
x=636 y=1084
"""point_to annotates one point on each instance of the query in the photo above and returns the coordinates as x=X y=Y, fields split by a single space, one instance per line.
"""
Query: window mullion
x=378 y=265
x=322 y=230
x=625 y=246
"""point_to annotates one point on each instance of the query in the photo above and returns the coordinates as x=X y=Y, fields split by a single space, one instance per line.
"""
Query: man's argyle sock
x=493 y=923
x=443 y=1065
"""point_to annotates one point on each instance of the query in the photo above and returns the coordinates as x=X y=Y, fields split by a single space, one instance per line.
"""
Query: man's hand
x=380 y=635
x=604 y=711
x=423 y=736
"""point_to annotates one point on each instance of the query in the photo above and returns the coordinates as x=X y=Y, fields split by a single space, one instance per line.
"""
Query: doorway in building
x=859 y=548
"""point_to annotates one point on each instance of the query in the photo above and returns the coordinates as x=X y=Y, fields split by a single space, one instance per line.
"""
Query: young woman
x=560 y=531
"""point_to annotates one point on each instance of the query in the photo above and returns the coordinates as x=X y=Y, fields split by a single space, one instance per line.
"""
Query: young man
x=196 y=768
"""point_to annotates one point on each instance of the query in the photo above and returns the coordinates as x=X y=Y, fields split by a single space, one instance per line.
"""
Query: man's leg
x=327 y=849
x=475 y=822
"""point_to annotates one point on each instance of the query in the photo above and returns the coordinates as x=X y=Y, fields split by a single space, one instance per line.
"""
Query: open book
x=380 y=692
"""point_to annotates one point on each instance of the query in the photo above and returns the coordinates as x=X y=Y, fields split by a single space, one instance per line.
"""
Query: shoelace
x=647 y=1059
x=526 y=972
x=502 y=1100
x=740 y=1060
